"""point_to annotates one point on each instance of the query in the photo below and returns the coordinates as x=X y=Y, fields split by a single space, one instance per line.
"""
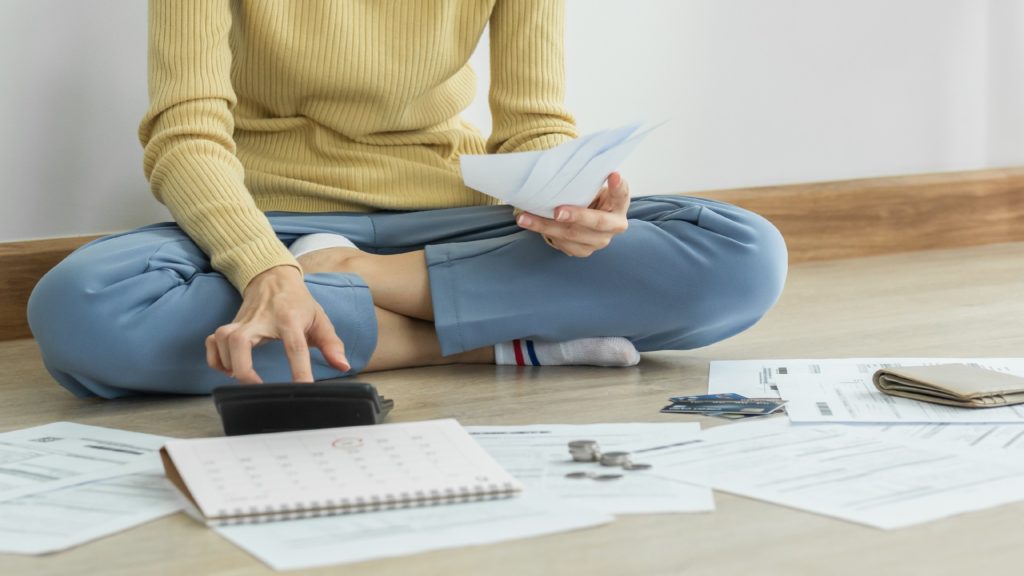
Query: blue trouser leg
x=129 y=313
x=688 y=272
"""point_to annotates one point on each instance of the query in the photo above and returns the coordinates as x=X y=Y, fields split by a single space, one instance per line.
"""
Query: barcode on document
x=824 y=409
x=814 y=369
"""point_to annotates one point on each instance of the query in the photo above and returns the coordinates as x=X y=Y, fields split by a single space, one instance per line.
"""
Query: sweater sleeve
x=187 y=136
x=528 y=77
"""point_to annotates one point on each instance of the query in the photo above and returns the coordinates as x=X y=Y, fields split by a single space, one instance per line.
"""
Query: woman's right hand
x=276 y=305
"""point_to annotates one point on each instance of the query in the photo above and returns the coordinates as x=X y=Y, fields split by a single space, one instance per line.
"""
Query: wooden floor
x=963 y=302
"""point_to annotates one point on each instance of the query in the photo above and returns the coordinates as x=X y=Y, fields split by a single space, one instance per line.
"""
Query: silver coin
x=636 y=466
x=615 y=459
x=582 y=444
x=606 y=477
x=584 y=456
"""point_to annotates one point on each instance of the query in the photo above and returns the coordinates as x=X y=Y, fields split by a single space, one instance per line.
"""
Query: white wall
x=74 y=90
x=758 y=92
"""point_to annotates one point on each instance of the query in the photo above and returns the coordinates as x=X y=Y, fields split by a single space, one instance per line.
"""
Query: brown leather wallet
x=952 y=384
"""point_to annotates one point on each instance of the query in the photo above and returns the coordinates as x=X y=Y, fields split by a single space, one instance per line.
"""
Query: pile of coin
x=589 y=451
x=584 y=451
x=622 y=459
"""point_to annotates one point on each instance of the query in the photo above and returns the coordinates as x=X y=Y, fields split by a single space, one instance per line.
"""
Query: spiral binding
x=341 y=506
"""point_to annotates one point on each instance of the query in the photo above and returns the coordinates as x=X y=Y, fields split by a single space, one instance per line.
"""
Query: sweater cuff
x=243 y=263
x=534 y=140
x=542 y=142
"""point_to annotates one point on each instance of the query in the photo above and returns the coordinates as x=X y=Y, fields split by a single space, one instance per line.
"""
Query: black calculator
x=263 y=408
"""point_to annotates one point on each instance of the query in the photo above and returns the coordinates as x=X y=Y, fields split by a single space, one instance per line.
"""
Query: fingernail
x=525 y=220
x=562 y=215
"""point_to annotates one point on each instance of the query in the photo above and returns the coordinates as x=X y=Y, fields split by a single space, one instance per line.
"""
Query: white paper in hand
x=538 y=182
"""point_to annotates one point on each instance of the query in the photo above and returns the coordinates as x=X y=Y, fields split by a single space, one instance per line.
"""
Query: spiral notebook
x=287 y=475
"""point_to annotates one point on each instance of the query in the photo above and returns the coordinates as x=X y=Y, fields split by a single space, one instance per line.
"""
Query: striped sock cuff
x=525 y=353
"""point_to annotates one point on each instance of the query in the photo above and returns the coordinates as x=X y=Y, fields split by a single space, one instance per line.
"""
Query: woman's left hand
x=579 y=231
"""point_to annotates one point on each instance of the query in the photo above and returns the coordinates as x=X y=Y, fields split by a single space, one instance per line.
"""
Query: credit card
x=729 y=396
x=756 y=407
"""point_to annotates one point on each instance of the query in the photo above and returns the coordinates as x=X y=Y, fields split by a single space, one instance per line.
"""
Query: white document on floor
x=843 y=471
x=815 y=399
x=296 y=544
x=994 y=440
x=59 y=454
x=759 y=378
x=538 y=456
x=73 y=515
x=64 y=484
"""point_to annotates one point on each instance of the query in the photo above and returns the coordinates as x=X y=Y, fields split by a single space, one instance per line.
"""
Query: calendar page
x=332 y=467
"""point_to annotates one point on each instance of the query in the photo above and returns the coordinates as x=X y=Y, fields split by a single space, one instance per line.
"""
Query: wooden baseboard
x=820 y=221
x=23 y=264
x=872 y=216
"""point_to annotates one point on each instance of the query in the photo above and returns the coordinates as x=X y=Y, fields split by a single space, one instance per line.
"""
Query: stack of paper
x=64 y=484
x=841 y=390
x=762 y=377
x=538 y=456
x=926 y=464
x=570 y=174
x=63 y=454
x=847 y=472
x=991 y=440
x=59 y=519
x=69 y=483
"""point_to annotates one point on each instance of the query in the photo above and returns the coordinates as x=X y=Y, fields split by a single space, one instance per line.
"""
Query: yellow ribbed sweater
x=334 y=105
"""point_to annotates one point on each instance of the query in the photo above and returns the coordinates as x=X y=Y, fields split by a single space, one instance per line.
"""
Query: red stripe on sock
x=518 y=349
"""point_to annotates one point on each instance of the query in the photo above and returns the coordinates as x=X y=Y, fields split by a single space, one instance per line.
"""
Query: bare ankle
x=483 y=355
x=404 y=342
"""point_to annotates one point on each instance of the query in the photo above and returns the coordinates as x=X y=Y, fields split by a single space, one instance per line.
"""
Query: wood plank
x=821 y=221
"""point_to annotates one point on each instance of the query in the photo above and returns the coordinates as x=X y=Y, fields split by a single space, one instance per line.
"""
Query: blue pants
x=129 y=313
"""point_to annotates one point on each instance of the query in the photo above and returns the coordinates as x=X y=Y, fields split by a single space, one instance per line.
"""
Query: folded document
x=569 y=174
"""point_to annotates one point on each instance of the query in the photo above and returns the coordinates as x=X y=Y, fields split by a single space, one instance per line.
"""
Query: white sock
x=611 y=351
x=319 y=241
